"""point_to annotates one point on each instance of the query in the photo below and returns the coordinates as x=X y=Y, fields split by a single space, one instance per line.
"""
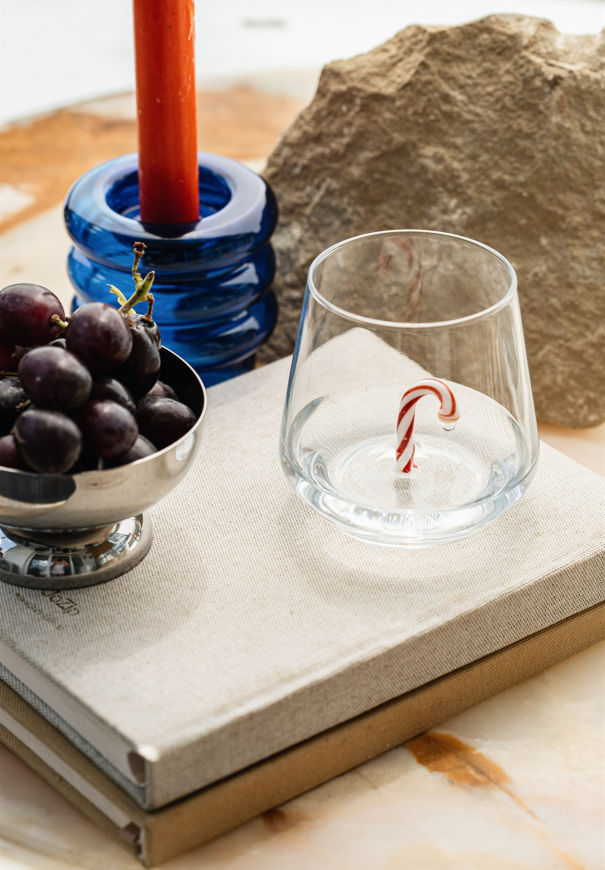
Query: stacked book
x=257 y=651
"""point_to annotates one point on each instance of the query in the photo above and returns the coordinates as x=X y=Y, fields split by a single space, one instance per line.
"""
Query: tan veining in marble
x=279 y=820
x=368 y=780
x=48 y=153
x=464 y=765
x=431 y=857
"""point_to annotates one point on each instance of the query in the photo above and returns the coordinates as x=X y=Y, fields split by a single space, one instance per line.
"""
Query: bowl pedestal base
x=73 y=559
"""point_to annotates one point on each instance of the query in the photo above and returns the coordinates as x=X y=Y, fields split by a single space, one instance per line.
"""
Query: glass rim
x=408 y=325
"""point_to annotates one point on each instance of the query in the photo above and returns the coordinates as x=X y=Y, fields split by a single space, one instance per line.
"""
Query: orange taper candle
x=164 y=38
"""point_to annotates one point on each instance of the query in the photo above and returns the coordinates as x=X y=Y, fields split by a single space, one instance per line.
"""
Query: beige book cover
x=158 y=836
x=253 y=624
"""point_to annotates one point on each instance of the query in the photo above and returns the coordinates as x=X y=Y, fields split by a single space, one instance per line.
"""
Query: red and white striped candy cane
x=448 y=414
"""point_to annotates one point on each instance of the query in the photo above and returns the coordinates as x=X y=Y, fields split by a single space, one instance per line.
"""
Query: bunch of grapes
x=82 y=393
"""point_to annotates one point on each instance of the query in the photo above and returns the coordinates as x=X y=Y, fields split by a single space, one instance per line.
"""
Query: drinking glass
x=382 y=311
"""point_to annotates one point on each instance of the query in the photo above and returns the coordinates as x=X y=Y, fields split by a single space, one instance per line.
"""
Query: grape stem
x=138 y=250
x=62 y=323
x=142 y=286
x=148 y=316
x=121 y=298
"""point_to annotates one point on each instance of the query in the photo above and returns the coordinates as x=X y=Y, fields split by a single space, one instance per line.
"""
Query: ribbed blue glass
x=212 y=298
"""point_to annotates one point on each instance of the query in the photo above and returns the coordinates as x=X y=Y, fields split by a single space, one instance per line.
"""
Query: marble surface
x=516 y=783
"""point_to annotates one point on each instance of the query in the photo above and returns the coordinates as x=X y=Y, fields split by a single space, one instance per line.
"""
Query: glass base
x=342 y=463
x=412 y=529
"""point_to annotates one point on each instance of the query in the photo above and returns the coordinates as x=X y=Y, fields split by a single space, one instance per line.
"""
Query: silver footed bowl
x=68 y=531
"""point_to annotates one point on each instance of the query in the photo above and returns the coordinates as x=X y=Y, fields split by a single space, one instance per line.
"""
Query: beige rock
x=493 y=130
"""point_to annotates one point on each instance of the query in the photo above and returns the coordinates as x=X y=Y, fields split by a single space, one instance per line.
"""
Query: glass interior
x=123 y=196
x=404 y=277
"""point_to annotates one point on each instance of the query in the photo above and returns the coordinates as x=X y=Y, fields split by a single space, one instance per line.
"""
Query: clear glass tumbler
x=381 y=312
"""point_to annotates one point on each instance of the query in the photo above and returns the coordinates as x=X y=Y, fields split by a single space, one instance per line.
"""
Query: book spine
x=137 y=793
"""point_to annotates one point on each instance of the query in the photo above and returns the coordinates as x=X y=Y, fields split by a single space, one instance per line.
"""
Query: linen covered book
x=253 y=625
x=157 y=836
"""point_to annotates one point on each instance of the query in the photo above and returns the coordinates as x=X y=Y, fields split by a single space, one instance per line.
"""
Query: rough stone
x=493 y=130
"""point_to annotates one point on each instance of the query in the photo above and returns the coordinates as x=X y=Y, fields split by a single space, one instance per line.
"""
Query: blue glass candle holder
x=212 y=298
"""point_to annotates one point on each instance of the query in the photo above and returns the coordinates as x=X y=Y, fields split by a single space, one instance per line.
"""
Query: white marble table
x=542 y=743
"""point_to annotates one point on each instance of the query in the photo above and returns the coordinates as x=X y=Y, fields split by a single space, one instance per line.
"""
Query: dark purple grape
x=12 y=395
x=141 y=448
x=59 y=342
x=108 y=429
x=150 y=325
x=49 y=441
x=163 y=391
x=110 y=388
x=54 y=378
x=10 y=354
x=140 y=371
x=99 y=336
x=163 y=421
x=9 y=455
x=25 y=313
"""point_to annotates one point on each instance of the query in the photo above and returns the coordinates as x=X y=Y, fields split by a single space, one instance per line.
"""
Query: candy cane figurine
x=448 y=414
